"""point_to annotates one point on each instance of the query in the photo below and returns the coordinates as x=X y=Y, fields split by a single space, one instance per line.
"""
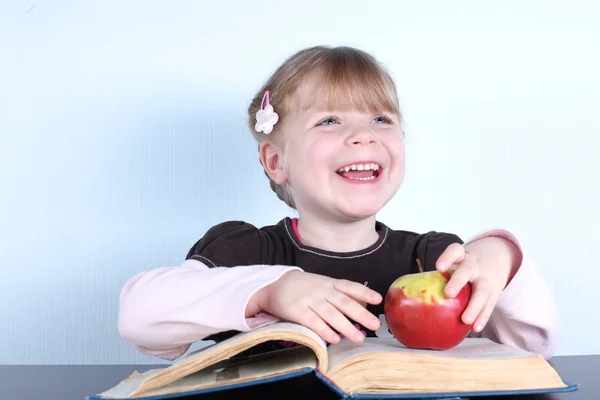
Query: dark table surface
x=75 y=382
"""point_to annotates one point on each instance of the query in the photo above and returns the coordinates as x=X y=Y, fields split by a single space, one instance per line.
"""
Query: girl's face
x=342 y=165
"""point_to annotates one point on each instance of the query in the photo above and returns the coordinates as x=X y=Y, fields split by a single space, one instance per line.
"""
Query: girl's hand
x=321 y=303
x=488 y=282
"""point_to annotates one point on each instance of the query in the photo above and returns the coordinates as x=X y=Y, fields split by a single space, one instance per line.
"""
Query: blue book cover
x=379 y=368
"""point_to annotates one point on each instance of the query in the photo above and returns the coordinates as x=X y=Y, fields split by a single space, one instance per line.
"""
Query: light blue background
x=123 y=139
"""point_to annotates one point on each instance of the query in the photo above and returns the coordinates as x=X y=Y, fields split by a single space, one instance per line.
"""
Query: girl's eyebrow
x=313 y=112
x=311 y=108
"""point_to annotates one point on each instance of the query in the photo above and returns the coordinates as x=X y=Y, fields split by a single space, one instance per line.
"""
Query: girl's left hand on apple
x=487 y=282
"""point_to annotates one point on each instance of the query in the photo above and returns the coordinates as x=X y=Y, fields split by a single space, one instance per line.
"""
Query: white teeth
x=360 y=167
x=362 y=179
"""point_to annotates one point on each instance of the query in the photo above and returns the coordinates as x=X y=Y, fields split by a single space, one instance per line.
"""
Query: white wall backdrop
x=123 y=138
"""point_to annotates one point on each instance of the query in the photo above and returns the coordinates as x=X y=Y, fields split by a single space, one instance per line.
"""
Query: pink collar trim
x=295 y=228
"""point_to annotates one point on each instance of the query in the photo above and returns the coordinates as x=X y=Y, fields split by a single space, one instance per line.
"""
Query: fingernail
x=478 y=328
x=359 y=337
x=374 y=323
x=441 y=266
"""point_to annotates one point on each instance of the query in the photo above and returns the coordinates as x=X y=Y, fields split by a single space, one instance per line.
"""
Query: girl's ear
x=272 y=160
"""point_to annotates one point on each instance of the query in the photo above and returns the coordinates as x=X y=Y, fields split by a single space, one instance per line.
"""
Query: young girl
x=328 y=126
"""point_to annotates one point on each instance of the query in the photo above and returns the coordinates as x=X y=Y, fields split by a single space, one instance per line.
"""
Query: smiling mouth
x=360 y=172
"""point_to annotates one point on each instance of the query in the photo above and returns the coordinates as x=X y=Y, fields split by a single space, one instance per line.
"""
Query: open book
x=377 y=366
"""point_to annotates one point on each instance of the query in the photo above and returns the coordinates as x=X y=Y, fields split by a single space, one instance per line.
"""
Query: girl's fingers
x=334 y=318
x=459 y=278
x=454 y=254
x=485 y=313
x=353 y=310
x=313 y=321
x=479 y=297
x=357 y=291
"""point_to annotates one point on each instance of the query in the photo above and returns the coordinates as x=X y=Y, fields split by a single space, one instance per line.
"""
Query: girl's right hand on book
x=321 y=303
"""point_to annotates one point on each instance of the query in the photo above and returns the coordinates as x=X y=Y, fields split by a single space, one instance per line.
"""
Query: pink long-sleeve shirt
x=164 y=310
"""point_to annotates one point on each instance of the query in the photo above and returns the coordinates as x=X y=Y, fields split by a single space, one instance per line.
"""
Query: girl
x=328 y=127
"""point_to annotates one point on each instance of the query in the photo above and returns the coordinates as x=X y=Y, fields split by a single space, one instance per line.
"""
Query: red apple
x=419 y=314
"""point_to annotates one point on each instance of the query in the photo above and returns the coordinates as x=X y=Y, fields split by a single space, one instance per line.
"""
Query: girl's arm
x=159 y=309
x=526 y=314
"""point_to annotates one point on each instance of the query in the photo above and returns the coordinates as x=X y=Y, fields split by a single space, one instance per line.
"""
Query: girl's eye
x=328 y=121
x=383 y=119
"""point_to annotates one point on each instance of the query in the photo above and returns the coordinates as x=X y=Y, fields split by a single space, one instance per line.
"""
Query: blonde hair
x=347 y=78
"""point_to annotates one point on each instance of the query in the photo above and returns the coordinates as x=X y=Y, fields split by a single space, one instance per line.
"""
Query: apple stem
x=420 y=265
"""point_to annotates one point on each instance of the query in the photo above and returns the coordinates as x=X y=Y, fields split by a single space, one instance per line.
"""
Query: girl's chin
x=360 y=207
x=360 y=211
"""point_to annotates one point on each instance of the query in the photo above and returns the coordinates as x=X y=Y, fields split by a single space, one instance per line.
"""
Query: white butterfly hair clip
x=266 y=117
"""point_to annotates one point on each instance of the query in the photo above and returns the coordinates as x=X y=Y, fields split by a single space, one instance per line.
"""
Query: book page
x=226 y=372
x=278 y=326
x=470 y=348
x=206 y=358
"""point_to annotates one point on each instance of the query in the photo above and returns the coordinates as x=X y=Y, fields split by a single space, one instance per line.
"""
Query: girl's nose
x=361 y=136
